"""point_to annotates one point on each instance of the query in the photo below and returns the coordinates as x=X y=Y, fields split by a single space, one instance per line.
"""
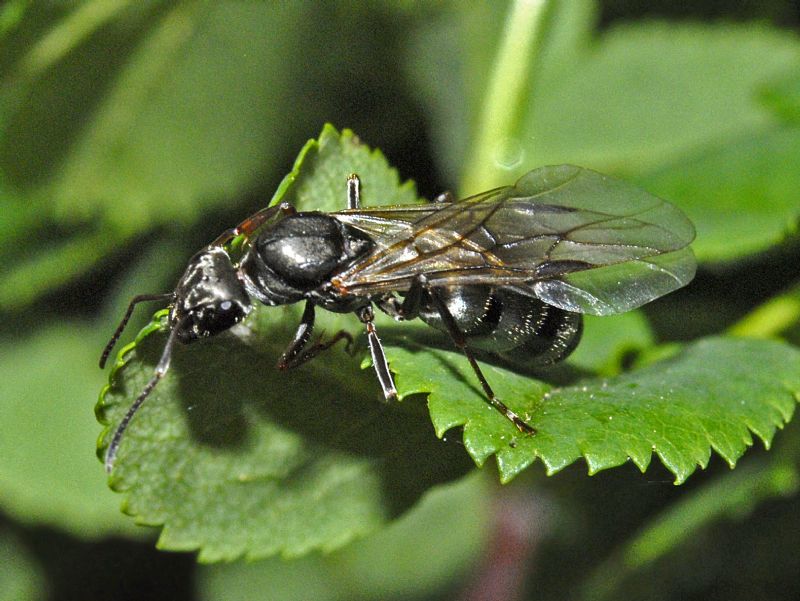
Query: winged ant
x=508 y=271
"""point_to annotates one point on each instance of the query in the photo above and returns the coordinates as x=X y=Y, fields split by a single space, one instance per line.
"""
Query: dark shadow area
x=113 y=569
x=779 y=12
x=599 y=515
x=224 y=383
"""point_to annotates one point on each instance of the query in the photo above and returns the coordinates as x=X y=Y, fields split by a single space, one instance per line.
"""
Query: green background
x=132 y=133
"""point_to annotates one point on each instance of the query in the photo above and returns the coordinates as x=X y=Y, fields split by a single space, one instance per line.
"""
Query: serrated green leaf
x=712 y=396
x=318 y=179
x=235 y=458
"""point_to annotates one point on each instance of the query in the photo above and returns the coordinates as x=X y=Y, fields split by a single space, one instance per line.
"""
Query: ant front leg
x=296 y=355
x=252 y=223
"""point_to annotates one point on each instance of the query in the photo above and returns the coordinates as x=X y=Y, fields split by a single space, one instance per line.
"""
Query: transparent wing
x=574 y=238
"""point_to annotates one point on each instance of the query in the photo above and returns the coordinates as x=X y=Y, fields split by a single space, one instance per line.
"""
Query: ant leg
x=118 y=332
x=461 y=342
x=295 y=355
x=406 y=309
x=353 y=191
x=252 y=223
x=378 y=357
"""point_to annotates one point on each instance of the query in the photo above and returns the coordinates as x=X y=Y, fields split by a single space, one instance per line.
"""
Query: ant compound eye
x=218 y=317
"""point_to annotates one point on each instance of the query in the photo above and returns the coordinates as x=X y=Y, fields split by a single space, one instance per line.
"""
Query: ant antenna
x=161 y=369
x=118 y=332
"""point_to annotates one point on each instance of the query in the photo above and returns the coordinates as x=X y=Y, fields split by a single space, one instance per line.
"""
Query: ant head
x=209 y=297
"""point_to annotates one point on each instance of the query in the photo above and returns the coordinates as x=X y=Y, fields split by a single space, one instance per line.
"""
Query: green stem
x=771 y=318
x=509 y=85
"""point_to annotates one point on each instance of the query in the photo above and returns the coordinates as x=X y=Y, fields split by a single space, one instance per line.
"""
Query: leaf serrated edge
x=329 y=134
x=778 y=421
x=122 y=358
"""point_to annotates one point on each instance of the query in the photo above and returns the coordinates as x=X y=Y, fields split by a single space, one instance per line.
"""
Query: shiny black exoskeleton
x=294 y=257
x=503 y=271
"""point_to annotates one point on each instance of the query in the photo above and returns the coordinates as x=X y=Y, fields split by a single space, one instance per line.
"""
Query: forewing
x=572 y=237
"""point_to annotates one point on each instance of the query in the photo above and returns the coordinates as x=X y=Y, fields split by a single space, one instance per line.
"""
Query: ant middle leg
x=378 y=356
x=297 y=353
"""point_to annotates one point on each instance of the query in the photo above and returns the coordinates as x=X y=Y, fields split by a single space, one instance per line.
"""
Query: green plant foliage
x=246 y=460
x=211 y=141
x=606 y=341
x=691 y=99
x=46 y=475
x=783 y=97
x=742 y=190
x=131 y=141
x=267 y=451
x=450 y=523
x=712 y=395
x=132 y=133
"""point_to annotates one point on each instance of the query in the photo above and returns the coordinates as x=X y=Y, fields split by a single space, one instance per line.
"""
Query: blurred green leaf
x=47 y=476
x=46 y=269
x=741 y=194
x=606 y=340
x=644 y=94
x=450 y=523
x=631 y=99
x=773 y=317
x=123 y=116
x=158 y=145
x=712 y=395
x=676 y=100
x=783 y=97
x=20 y=576
x=45 y=473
